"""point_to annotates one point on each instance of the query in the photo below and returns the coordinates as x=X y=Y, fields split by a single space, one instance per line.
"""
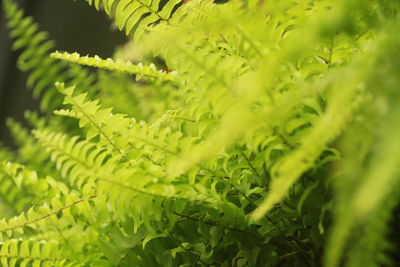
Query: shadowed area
x=74 y=25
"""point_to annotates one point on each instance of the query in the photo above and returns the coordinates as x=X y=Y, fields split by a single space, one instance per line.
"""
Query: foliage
x=238 y=133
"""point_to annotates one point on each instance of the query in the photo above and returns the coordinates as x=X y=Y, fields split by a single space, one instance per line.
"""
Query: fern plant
x=238 y=133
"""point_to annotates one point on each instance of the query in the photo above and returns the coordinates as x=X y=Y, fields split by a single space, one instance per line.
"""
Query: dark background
x=76 y=27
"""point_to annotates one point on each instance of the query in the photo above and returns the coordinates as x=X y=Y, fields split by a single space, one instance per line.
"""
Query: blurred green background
x=74 y=25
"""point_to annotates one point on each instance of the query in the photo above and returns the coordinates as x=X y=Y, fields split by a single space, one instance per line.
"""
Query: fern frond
x=137 y=15
x=147 y=100
x=117 y=130
x=36 y=46
x=10 y=198
x=24 y=252
x=371 y=192
x=37 y=190
x=8 y=194
x=67 y=113
x=28 y=149
x=59 y=210
x=138 y=70
x=75 y=160
x=294 y=165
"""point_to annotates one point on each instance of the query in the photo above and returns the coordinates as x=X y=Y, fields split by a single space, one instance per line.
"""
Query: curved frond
x=138 y=70
x=137 y=15
x=35 y=58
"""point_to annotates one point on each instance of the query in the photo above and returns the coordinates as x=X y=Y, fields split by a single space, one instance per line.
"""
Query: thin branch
x=250 y=164
x=198 y=255
x=100 y=130
x=31 y=258
x=47 y=215
x=216 y=224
